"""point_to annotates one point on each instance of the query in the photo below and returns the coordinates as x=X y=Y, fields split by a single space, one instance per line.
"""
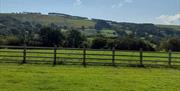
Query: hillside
x=48 y=19
x=15 y=23
x=175 y=27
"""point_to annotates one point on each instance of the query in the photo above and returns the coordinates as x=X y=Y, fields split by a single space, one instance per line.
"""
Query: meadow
x=38 y=73
x=28 y=77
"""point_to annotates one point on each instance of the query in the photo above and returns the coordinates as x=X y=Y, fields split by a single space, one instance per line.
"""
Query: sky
x=136 y=11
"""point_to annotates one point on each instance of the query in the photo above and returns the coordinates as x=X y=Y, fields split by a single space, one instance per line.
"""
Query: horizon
x=133 y=11
x=85 y=17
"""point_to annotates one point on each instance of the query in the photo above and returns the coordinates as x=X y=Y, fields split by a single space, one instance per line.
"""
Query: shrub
x=74 y=39
x=132 y=44
x=51 y=37
x=99 y=43
x=172 y=44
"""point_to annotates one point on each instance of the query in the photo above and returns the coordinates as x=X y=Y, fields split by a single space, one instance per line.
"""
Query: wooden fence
x=84 y=56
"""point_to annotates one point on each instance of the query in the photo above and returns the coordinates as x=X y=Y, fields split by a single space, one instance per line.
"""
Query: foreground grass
x=93 y=78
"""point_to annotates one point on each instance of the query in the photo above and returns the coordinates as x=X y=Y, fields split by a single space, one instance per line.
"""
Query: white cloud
x=169 y=19
x=77 y=3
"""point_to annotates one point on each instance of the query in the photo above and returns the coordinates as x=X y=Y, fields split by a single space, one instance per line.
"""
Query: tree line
x=72 y=38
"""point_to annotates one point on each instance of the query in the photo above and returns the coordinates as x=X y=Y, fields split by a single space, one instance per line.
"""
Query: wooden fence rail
x=113 y=57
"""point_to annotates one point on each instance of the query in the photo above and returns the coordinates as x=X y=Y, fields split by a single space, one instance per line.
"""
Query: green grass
x=93 y=78
x=90 y=32
x=109 y=33
x=106 y=33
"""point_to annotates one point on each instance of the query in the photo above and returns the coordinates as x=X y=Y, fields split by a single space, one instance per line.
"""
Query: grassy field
x=93 y=78
x=44 y=77
x=106 y=33
x=109 y=33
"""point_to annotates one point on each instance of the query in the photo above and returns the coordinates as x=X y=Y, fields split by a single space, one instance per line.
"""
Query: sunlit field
x=39 y=73
x=28 y=77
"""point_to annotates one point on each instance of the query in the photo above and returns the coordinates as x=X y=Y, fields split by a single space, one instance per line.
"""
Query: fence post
x=55 y=51
x=84 y=56
x=141 y=57
x=170 y=56
x=24 y=54
x=113 y=56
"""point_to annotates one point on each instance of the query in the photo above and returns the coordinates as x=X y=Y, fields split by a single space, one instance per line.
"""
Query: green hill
x=15 y=23
x=175 y=27
x=48 y=19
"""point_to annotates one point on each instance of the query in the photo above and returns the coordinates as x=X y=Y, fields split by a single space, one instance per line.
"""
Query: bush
x=132 y=44
x=51 y=37
x=2 y=41
x=9 y=40
x=171 y=44
x=99 y=43
x=12 y=40
x=75 y=39
x=101 y=24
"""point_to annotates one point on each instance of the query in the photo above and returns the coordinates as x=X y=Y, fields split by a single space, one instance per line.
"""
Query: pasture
x=35 y=77
x=38 y=72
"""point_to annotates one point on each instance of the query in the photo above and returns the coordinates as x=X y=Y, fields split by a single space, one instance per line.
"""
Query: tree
x=132 y=44
x=83 y=28
x=13 y=40
x=9 y=40
x=75 y=39
x=172 y=44
x=102 y=25
x=99 y=43
x=50 y=37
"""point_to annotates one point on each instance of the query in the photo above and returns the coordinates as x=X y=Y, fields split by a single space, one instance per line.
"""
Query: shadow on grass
x=146 y=66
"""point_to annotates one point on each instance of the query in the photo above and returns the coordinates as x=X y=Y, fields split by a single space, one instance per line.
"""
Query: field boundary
x=113 y=58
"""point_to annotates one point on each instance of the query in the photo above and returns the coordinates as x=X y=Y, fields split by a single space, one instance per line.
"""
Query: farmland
x=38 y=73
x=77 y=78
x=86 y=45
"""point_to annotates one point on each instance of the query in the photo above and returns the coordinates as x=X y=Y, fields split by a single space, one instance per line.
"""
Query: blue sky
x=138 y=11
